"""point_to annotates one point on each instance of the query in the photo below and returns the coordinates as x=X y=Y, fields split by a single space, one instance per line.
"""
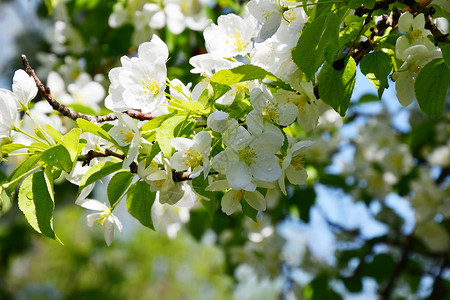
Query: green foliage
x=431 y=93
x=37 y=203
x=57 y=156
x=357 y=3
x=377 y=66
x=140 y=201
x=240 y=74
x=169 y=129
x=98 y=171
x=336 y=87
x=118 y=184
x=90 y=127
x=309 y=54
x=248 y=210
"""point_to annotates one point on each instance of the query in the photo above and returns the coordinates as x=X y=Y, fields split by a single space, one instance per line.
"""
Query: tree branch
x=65 y=111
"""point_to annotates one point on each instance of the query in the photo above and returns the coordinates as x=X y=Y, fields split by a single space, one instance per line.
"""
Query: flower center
x=247 y=155
x=128 y=137
x=150 y=86
x=299 y=101
x=271 y=112
x=193 y=158
x=298 y=162
x=241 y=194
x=288 y=17
x=238 y=41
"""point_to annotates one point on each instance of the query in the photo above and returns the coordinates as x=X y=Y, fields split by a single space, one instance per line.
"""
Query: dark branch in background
x=438 y=285
x=65 y=111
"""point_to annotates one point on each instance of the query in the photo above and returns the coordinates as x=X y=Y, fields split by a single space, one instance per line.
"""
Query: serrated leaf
x=87 y=126
x=248 y=210
x=377 y=66
x=23 y=168
x=99 y=171
x=165 y=133
x=140 y=200
x=37 y=203
x=58 y=156
x=431 y=87
x=71 y=140
x=55 y=134
x=240 y=74
x=118 y=184
x=156 y=122
x=336 y=87
x=309 y=54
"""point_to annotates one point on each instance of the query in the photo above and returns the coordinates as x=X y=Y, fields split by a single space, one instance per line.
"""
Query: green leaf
x=71 y=140
x=209 y=199
x=118 y=184
x=140 y=201
x=309 y=54
x=59 y=157
x=336 y=87
x=446 y=54
x=187 y=106
x=166 y=132
x=357 y=3
x=240 y=74
x=99 y=171
x=87 y=126
x=248 y=210
x=431 y=87
x=24 y=167
x=5 y=202
x=37 y=203
x=55 y=134
x=377 y=66
x=156 y=122
x=7 y=148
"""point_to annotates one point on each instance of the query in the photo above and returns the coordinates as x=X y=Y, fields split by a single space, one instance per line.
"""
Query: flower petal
x=256 y=200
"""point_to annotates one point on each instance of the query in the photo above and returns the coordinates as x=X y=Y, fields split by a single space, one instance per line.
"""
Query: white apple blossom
x=248 y=157
x=306 y=102
x=293 y=165
x=416 y=57
x=218 y=121
x=416 y=34
x=192 y=154
x=104 y=217
x=140 y=82
x=267 y=109
x=232 y=198
x=9 y=115
x=24 y=87
x=230 y=37
x=127 y=133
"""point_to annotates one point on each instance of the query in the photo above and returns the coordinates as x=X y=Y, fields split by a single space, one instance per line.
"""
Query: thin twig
x=65 y=111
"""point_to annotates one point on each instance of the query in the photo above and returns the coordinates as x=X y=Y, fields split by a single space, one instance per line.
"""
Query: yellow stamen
x=247 y=155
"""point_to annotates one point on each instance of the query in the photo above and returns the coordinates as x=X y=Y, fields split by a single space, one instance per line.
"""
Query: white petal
x=24 y=86
x=229 y=202
x=178 y=161
x=405 y=89
x=109 y=231
x=94 y=205
x=91 y=218
x=296 y=177
x=287 y=113
x=182 y=144
x=405 y=21
x=266 y=167
x=256 y=200
x=150 y=51
x=238 y=175
x=84 y=193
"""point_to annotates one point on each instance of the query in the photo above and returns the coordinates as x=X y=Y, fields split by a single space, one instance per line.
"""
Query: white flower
x=232 y=36
x=293 y=165
x=305 y=100
x=267 y=12
x=127 y=133
x=140 y=82
x=267 y=109
x=416 y=34
x=248 y=157
x=8 y=112
x=218 y=121
x=416 y=57
x=192 y=154
x=232 y=198
x=104 y=217
x=24 y=87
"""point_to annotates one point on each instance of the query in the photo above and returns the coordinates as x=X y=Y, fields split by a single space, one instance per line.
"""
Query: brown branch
x=65 y=111
x=86 y=159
